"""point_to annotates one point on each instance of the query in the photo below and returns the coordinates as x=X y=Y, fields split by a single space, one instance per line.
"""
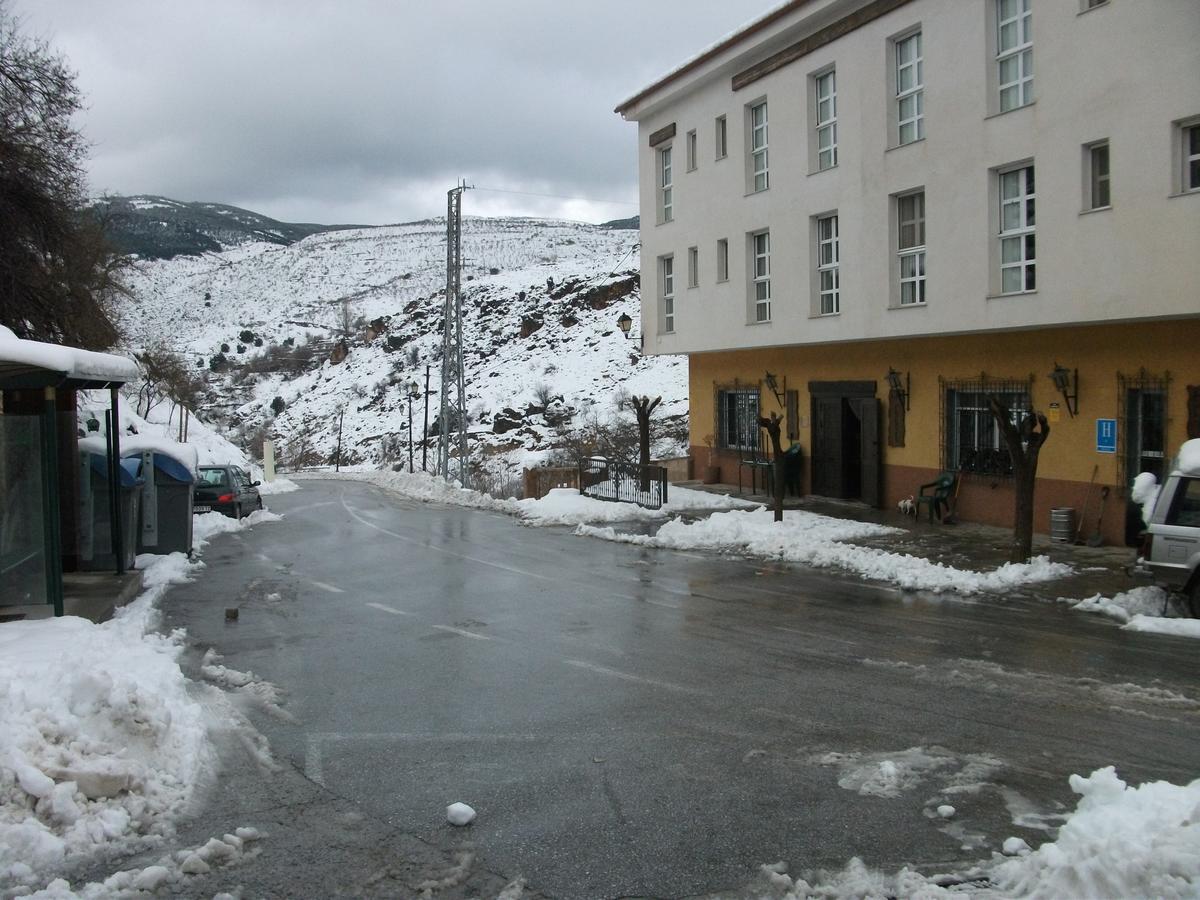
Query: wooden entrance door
x=827 y=446
x=846 y=449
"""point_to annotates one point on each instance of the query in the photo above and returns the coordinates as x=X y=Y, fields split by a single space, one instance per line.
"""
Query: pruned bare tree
x=1024 y=441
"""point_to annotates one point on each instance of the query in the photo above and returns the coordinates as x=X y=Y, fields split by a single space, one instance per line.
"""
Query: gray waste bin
x=166 y=503
x=95 y=523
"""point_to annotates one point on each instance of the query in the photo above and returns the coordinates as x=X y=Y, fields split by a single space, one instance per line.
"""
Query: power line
x=556 y=196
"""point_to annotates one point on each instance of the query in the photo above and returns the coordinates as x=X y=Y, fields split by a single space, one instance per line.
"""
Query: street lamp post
x=413 y=392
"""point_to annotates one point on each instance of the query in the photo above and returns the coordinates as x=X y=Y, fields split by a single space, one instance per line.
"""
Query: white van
x=1172 y=549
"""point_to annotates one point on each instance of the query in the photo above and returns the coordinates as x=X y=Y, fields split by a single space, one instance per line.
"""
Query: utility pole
x=453 y=415
x=337 y=463
x=425 y=430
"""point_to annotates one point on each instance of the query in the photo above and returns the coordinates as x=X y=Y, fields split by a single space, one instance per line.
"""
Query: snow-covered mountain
x=266 y=326
x=160 y=228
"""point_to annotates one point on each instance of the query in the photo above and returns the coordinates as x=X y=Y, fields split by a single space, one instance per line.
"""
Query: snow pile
x=102 y=744
x=278 y=486
x=1145 y=493
x=1121 y=841
x=819 y=541
x=205 y=526
x=1141 y=601
x=424 y=487
x=1158 y=625
x=1140 y=609
x=1187 y=462
x=566 y=506
x=171 y=872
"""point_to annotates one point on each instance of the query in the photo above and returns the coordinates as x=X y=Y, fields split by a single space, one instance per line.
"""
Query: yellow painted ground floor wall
x=1160 y=350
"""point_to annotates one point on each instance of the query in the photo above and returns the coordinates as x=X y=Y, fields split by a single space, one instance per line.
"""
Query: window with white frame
x=737 y=413
x=666 y=192
x=760 y=275
x=721 y=137
x=691 y=150
x=666 y=269
x=1099 y=194
x=828 y=260
x=759 y=177
x=910 y=89
x=1191 y=156
x=1014 y=53
x=693 y=267
x=825 y=86
x=723 y=260
x=910 y=229
x=1018 y=241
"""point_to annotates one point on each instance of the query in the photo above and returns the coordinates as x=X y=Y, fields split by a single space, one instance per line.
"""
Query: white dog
x=908 y=506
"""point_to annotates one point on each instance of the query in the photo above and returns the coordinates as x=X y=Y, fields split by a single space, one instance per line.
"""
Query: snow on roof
x=1188 y=460
x=19 y=356
x=184 y=454
x=722 y=43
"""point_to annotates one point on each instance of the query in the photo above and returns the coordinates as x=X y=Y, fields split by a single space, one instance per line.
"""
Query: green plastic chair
x=939 y=497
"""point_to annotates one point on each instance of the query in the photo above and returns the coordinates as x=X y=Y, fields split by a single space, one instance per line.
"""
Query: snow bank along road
x=631 y=721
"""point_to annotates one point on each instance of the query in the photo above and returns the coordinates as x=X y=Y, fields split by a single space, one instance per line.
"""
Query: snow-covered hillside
x=541 y=303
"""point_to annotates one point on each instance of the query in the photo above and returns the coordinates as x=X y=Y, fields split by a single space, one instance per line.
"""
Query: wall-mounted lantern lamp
x=773 y=384
x=624 y=322
x=1067 y=382
x=901 y=387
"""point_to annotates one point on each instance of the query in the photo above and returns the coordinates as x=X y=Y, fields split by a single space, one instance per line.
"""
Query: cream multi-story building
x=964 y=195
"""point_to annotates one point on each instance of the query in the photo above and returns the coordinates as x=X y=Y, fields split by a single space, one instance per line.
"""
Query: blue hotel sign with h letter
x=1106 y=435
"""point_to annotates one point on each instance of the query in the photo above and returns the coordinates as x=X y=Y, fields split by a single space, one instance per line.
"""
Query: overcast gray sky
x=367 y=111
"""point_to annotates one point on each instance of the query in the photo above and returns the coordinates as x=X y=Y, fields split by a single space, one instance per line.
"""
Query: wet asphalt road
x=632 y=722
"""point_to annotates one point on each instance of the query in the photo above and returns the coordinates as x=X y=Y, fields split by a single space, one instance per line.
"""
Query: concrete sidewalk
x=967 y=545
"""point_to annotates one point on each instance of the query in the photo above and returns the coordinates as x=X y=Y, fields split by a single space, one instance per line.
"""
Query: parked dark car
x=226 y=489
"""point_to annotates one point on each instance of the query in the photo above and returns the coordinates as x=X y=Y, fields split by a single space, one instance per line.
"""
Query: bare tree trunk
x=642 y=407
x=772 y=426
x=1024 y=443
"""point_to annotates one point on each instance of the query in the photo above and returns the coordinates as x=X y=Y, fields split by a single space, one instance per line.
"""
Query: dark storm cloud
x=368 y=111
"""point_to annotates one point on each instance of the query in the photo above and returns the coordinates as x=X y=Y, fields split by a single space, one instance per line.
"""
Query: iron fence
x=607 y=479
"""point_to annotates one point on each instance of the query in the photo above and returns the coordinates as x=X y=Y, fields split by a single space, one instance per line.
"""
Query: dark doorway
x=845 y=441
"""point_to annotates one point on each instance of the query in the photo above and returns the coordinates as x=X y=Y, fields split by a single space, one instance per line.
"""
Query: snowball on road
x=459 y=814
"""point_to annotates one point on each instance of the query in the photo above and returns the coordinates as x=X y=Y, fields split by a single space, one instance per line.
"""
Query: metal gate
x=607 y=479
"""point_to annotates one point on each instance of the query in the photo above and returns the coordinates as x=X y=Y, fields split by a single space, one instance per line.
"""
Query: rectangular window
x=1014 y=52
x=666 y=267
x=722 y=138
x=828 y=258
x=826 y=119
x=722 y=260
x=691 y=151
x=759 y=178
x=1018 y=246
x=693 y=267
x=666 y=194
x=910 y=227
x=737 y=412
x=1099 y=195
x=1191 y=157
x=910 y=89
x=973 y=440
x=760 y=275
